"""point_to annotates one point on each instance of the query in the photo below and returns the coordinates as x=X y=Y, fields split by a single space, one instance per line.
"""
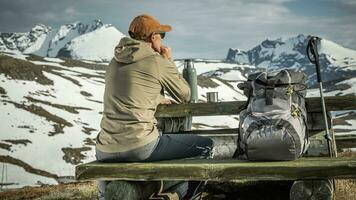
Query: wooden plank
x=334 y=103
x=234 y=107
x=315 y=121
x=200 y=109
x=220 y=170
x=346 y=141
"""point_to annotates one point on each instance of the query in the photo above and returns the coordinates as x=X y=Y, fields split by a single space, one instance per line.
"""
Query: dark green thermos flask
x=190 y=75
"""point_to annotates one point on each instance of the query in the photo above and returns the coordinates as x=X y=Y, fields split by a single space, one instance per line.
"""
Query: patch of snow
x=15 y=175
x=36 y=45
x=46 y=63
x=352 y=126
x=233 y=75
x=17 y=55
x=225 y=93
x=330 y=48
x=57 y=60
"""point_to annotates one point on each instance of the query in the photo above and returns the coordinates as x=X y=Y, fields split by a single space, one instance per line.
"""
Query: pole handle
x=313 y=55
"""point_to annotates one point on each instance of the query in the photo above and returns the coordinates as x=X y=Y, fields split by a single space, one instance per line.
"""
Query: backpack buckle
x=295 y=112
x=290 y=90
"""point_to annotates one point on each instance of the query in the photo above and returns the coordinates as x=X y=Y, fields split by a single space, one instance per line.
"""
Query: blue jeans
x=167 y=147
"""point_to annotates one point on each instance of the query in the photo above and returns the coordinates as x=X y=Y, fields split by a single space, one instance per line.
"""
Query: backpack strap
x=270 y=85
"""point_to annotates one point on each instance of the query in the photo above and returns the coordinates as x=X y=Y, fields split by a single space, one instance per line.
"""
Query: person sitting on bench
x=135 y=81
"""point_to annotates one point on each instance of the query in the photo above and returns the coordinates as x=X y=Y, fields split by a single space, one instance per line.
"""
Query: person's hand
x=167 y=101
x=166 y=52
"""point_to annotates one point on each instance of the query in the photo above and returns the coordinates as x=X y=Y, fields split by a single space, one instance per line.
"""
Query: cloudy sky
x=201 y=28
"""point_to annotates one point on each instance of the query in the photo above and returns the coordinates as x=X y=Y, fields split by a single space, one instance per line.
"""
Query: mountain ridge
x=290 y=53
x=68 y=40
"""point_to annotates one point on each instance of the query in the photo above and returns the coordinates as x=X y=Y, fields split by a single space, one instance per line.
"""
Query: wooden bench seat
x=220 y=170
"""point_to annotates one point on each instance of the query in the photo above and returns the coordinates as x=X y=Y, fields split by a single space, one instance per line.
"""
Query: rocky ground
x=84 y=191
x=346 y=190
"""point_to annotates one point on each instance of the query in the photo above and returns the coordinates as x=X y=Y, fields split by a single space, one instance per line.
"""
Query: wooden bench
x=234 y=170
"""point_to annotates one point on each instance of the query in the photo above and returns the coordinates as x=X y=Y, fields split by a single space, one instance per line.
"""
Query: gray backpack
x=273 y=125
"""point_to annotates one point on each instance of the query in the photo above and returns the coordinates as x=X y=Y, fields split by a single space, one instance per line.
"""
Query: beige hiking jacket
x=134 y=83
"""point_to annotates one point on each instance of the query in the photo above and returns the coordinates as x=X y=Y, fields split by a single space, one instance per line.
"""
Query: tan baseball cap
x=144 y=25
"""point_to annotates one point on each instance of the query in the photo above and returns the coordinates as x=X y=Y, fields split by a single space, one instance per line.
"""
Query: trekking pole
x=312 y=53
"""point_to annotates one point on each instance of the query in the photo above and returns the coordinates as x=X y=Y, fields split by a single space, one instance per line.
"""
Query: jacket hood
x=130 y=50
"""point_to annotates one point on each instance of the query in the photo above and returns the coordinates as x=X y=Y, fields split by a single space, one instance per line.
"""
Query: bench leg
x=129 y=190
x=312 y=189
x=137 y=190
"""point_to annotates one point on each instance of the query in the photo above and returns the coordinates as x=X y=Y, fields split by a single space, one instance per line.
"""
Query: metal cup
x=212 y=97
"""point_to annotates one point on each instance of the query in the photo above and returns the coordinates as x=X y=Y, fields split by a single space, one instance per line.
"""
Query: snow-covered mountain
x=338 y=63
x=24 y=42
x=92 y=41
